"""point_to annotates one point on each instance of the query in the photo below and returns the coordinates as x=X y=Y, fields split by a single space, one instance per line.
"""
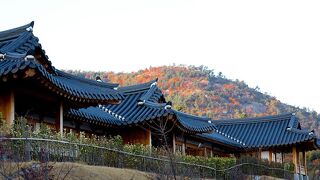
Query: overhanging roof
x=16 y=46
x=263 y=132
x=21 y=40
x=66 y=85
x=143 y=103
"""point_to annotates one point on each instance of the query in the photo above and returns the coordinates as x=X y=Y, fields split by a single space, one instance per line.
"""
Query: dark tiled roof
x=94 y=115
x=129 y=111
x=143 y=103
x=138 y=87
x=17 y=44
x=264 y=132
x=86 y=81
x=21 y=40
x=194 y=123
x=62 y=83
x=221 y=139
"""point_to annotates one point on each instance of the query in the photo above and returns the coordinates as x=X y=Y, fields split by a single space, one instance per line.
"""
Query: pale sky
x=272 y=44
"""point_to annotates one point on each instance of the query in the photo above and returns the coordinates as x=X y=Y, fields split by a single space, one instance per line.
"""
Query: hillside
x=201 y=91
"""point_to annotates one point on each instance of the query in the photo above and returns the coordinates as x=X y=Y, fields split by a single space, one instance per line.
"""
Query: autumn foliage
x=201 y=91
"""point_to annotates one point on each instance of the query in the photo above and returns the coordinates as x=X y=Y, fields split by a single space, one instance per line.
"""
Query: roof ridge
x=89 y=81
x=255 y=119
x=154 y=105
x=145 y=97
x=202 y=118
x=21 y=39
x=10 y=33
x=300 y=131
x=138 y=87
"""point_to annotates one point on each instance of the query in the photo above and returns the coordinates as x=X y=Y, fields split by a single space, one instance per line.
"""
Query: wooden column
x=173 y=143
x=184 y=146
x=295 y=158
x=259 y=154
x=150 y=138
x=205 y=152
x=11 y=109
x=61 y=119
x=304 y=159
x=270 y=156
x=7 y=106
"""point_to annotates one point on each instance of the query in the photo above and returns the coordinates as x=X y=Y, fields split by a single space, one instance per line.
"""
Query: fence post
x=27 y=151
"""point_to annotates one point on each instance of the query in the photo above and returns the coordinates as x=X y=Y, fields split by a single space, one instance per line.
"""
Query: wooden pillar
x=7 y=106
x=304 y=159
x=173 y=143
x=212 y=148
x=61 y=119
x=259 y=154
x=295 y=158
x=150 y=138
x=184 y=146
x=270 y=156
x=205 y=152
x=11 y=108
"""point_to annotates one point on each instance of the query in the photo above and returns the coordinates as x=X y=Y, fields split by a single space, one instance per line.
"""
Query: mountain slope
x=201 y=91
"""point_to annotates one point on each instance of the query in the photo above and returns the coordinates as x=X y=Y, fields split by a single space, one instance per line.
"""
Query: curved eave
x=91 y=116
x=88 y=81
x=193 y=124
x=137 y=87
x=21 y=40
x=220 y=139
x=14 y=32
x=31 y=69
x=296 y=137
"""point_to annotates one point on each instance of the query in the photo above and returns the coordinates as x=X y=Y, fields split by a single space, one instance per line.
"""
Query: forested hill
x=201 y=91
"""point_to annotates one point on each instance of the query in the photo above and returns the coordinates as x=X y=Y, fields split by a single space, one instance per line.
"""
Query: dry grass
x=81 y=171
x=76 y=171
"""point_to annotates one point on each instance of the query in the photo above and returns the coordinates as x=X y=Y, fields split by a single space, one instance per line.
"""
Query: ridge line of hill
x=201 y=91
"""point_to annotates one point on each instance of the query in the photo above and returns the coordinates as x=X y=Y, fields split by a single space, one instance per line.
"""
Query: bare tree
x=161 y=128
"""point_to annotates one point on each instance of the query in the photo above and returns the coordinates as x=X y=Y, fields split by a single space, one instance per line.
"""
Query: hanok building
x=31 y=87
x=144 y=117
x=271 y=138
